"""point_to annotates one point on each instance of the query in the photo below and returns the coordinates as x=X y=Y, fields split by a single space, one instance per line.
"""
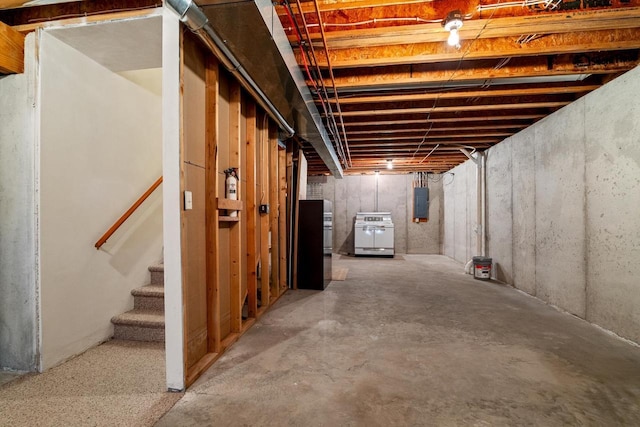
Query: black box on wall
x=315 y=244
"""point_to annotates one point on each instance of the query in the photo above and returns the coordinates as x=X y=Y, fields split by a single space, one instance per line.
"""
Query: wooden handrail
x=128 y=213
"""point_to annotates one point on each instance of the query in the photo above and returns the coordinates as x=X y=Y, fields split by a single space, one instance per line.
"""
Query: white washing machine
x=373 y=234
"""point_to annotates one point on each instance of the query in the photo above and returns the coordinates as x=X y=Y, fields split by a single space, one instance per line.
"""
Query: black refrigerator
x=315 y=244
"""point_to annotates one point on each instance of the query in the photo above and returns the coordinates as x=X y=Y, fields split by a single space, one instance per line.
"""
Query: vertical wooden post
x=274 y=202
x=235 y=232
x=282 y=216
x=251 y=210
x=211 y=189
x=264 y=218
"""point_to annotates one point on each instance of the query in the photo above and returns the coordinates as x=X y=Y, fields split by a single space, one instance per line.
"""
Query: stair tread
x=139 y=317
x=156 y=267
x=149 y=291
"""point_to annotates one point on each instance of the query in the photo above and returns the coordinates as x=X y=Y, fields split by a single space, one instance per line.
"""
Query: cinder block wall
x=356 y=193
x=563 y=208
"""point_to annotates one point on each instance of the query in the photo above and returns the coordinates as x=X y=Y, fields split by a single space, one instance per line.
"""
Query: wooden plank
x=264 y=218
x=229 y=340
x=199 y=368
x=282 y=216
x=412 y=135
x=213 y=279
x=235 y=235
x=456 y=108
x=228 y=204
x=512 y=26
x=224 y=218
x=248 y=324
x=89 y=19
x=274 y=202
x=456 y=119
x=516 y=91
x=471 y=49
x=290 y=206
x=390 y=130
x=420 y=76
x=11 y=50
x=251 y=213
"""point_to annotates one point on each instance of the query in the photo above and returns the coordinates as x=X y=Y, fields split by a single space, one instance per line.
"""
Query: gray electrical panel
x=421 y=203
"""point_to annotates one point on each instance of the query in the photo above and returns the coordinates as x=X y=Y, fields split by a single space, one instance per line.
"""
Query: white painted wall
x=100 y=150
x=356 y=193
x=18 y=223
x=171 y=121
x=563 y=216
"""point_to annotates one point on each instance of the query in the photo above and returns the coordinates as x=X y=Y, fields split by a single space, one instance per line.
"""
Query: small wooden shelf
x=234 y=205
x=223 y=218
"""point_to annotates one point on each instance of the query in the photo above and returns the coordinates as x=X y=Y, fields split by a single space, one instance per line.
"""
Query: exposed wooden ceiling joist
x=558 y=23
x=11 y=50
x=479 y=73
x=546 y=90
x=485 y=49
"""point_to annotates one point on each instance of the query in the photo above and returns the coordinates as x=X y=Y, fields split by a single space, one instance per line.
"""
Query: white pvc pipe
x=483 y=223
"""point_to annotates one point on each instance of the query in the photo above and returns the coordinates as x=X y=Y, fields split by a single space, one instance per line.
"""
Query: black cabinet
x=315 y=244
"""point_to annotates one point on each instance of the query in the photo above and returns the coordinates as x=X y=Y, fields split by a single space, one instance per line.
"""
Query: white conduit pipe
x=193 y=17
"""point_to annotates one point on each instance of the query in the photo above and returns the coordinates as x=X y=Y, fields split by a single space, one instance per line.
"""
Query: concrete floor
x=416 y=342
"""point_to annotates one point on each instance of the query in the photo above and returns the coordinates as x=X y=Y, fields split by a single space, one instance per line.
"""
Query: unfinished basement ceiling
x=391 y=88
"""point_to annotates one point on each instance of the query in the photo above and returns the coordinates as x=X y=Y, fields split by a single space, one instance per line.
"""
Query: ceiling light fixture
x=390 y=164
x=452 y=23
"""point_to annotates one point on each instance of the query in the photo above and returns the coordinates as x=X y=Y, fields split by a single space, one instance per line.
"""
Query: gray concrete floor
x=416 y=342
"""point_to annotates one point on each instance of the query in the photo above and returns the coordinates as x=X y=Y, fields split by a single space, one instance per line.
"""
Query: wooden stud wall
x=223 y=128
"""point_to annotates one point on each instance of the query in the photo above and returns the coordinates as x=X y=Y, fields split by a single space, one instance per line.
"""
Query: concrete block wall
x=563 y=208
x=459 y=213
x=356 y=193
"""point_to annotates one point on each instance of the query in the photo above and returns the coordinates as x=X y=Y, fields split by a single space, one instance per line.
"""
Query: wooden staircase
x=146 y=321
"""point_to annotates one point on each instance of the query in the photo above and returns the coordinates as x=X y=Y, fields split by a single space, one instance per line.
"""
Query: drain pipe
x=480 y=161
x=483 y=220
x=193 y=17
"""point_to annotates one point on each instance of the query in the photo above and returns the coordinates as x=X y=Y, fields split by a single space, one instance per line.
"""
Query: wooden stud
x=11 y=50
x=213 y=276
x=282 y=216
x=235 y=233
x=251 y=215
x=264 y=218
x=274 y=202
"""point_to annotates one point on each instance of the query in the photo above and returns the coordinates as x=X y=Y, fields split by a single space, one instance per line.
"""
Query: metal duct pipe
x=197 y=22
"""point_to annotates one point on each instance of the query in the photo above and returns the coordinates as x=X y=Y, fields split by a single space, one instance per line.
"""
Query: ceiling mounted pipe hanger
x=193 y=17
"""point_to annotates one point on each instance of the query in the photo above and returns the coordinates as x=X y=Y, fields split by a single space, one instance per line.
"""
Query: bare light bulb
x=389 y=164
x=454 y=38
